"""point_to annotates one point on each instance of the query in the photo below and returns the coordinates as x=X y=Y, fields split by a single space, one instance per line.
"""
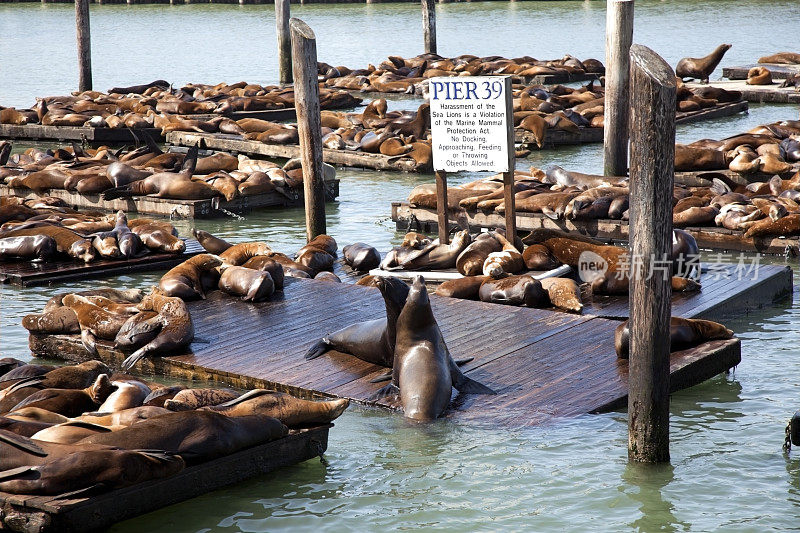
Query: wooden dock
x=543 y=364
x=756 y=93
x=778 y=71
x=713 y=238
x=236 y=144
x=595 y=135
x=150 y=205
x=66 y=133
x=28 y=274
x=77 y=514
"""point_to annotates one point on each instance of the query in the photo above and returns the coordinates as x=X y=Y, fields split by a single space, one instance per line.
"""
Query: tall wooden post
x=282 y=15
x=651 y=180
x=429 y=25
x=441 y=206
x=84 y=46
x=508 y=176
x=619 y=35
x=309 y=128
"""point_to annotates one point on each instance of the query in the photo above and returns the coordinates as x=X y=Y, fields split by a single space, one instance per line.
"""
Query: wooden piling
x=429 y=25
x=619 y=35
x=282 y=14
x=652 y=132
x=84 y=45
x=309 y=128
x=441 y=206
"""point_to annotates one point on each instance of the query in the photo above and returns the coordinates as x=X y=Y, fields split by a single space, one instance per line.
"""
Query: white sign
x=469 y=123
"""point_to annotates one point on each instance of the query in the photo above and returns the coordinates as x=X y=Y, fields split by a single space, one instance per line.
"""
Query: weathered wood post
x=619 y=35
x=441 y=206
x=508 y=176
x=652 y=132
x=282 y=15
x=309 y=128
x=84 y=45
x=429 y=25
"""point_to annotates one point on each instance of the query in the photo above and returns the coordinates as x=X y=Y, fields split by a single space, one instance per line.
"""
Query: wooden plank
x=65 y=133
x=100 y=511
x=778 y=71
x=755 y=93
x=28 y=274
x=712 y=238
x=234 y=143
x=151 y=205
x=539 y=361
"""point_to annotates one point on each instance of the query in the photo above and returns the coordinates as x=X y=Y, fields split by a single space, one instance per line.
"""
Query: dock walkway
x=756 y=93
x=543 y=364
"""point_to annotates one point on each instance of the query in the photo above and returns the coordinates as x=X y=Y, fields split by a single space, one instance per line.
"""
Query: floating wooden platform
x=778 y=71
x=552 y=79
x=28 y=274
x=67 y=133
x=595 y=135
x=150 y=205
x=235 y=144
x=543 y=364
x=713 y=238
x=66 y=514
x=756 y=93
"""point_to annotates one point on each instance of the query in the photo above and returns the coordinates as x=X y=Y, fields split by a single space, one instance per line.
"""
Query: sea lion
x=33 y=247
x=81 y=469
x=701 y=67
x=65 y=377
x=37 y=414
x=695 y=216
x=268 y=264
x=196 y=436
x=314 y=258
x=158 y=238
x=374 y=340
x=125 y=417
x=239 y=254
x=683 y=333
x=325 y=242
x=189 y=399
x=125 y=295
x=161 y=395
x=564 y=293
x=184 y=280
x=327 y=276
x=415 y=240
x=138 y=330
x=759 y=76
x=538 y=257
x=68 y=432
x=26 y=428
x=70 y=402
x=685 y=255
x=785 y=58
x=423 y=370
x=437 y=256
x=177 y=330
x=94 y=321
x=786 y=226
x=361 y=257
x=514 y=290
x=251 y=285
x=470 y=261
x=465 y=288
x=556 y=175
x=129 y=243
x=293 y=412
x=127 y=394
x=67 y=241
x=120 y=174
x=211 y=244
x=507 y=261
x=61 y=320
x=7 y=364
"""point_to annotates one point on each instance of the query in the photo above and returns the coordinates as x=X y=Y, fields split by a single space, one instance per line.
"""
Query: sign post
x=472 y=127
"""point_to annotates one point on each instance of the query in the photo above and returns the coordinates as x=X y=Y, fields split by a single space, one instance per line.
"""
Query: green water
x=728 y=472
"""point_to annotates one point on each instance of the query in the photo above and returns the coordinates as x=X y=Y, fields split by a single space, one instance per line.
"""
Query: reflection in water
x=645 y=484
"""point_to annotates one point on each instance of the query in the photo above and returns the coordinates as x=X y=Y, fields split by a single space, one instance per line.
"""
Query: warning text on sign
x=469 y=124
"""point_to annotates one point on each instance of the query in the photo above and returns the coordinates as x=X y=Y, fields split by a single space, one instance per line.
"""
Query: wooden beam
x=441 y=206
x=652 y=132
x=619 y=35
x=282 y=15
x=309 y=128
x=508 y=176
x=84 y=45
x=429 y=25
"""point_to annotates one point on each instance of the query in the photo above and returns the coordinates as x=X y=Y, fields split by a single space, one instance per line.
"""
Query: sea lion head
x=394 y=291
x=208 y=261
x=417 y=301
x=101 y=388
x=82 y=249
x=622 y=340
x=460 y=240
x=415 y=240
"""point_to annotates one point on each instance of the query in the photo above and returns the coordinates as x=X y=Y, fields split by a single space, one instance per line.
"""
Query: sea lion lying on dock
x=683 y=333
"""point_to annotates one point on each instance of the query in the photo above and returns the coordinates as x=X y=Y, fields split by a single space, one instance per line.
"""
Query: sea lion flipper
x=319 y=348
x=81 y=493
x=719 y=186
x=23 y=443
x=464 y=361
x=383 y=377
x=132 y=359
x=549 y=213
x=246 y=396
x=390 y=393
x=15 y=473
x=466 y=385
x=89 y=342
x=87 y=425
x=21 y=384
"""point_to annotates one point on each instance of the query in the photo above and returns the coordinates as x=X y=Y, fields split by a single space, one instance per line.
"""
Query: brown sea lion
x=538 y=257
x=507 y=261
x=184 y=280
x=314 y=258
x=188 y=399
x=293 y=412
x=361 y=257
x=268 y=264
x=177 y=330
x=327 y=276
x=127 y=394
x=701 y=67
x=759 y=76
x=196 y=436
x=325 y=242
x=374 y=340
x=70 y=402
x=33 y=247
x=26 y=428
x=470 y=261
x=126 y=417
x=68 y=432
x=251 y=285
x=438 y=256
x=465 y=288
x=211 y=244
x=239 y=254
x=564 y=293
x=67 y=241
x=117 y=295
x=786 y=226
x=138 y=330
x=695 y=216
x=62 y=320
x=683 y=333
x=95 y=322
x=514 y=290
x=37 y=414
x=158 y=239
x=412 y=239
x=161 y=395
x=65 y=377
x=424 y=373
